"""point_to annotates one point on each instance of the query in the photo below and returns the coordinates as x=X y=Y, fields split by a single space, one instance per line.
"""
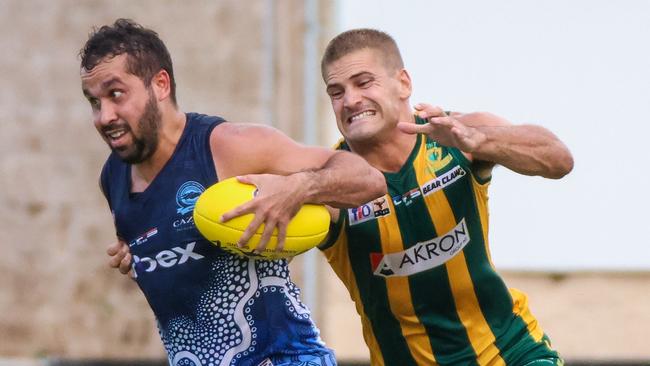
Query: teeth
x=116 y=134
x=362 y=115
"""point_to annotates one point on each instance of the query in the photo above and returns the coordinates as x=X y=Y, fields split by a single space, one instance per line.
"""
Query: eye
x=94 y=103
x=116 y=94
x=364 y=83
x=335 y=93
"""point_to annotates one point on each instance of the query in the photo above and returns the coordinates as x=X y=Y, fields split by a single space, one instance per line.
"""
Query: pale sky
x=580 y=68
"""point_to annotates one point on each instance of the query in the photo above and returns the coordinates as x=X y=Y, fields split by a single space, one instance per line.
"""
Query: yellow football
x=306 y=230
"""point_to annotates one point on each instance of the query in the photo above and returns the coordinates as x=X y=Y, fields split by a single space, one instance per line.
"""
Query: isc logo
x=360 y=213
x=370 y=210
x=165 y=259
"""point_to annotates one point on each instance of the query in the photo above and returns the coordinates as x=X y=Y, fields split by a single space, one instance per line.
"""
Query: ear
x=405 y=87
x=161 y=84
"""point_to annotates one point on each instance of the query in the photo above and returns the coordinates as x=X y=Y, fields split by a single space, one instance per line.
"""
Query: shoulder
x=203 y=118
x=243 y=148
x=112 y=173
x=243 y=135
x=111 y=165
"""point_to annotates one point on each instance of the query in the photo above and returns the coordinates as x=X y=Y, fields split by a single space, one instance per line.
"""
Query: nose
x=351 y=98
x=106 y=114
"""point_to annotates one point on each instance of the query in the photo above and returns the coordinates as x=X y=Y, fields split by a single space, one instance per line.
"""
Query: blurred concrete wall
x=58 y=297
x=238 y=59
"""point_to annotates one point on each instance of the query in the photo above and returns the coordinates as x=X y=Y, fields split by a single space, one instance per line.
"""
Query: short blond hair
x=358 y=39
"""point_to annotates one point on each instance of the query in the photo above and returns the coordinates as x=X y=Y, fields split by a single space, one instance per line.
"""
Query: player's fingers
x=413 y=128
x=114 y=261
x=250 y=230
x=114 y=248
x=443 y=121
x=247 y=179
x=423 y=107
x=269 y=227
x=125 y=264
x=282 y=236
x=425 y=111
x=242 y=209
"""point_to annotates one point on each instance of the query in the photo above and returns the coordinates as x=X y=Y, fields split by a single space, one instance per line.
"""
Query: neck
x=387 y=153
x=171 y=128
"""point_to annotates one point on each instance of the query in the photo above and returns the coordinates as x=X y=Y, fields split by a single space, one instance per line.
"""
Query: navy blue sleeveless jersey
x=212 y=308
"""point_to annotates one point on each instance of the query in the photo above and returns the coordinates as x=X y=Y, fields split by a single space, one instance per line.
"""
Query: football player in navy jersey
x=212 y=307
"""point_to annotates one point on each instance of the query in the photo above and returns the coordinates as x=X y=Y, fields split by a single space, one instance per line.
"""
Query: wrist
x=305 y=184
x=479 y=140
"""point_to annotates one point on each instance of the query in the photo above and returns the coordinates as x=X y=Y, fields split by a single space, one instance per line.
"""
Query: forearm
x=525 y=149
x=345 y=180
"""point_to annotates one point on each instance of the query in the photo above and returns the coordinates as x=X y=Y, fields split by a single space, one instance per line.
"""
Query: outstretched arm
x=287 y=175
x=525 y=149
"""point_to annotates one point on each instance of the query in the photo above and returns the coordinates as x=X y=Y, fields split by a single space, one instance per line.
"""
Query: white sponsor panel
x=369 y=211
x=443 y=181
x=165 y=259
x=425 y=255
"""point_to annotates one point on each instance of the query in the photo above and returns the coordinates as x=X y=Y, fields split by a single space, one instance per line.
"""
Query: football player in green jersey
x=416 y=261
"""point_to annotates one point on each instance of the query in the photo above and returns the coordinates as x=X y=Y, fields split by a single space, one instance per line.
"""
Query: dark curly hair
x=147 y=54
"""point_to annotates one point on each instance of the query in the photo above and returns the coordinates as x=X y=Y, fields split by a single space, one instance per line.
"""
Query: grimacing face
x=124 y=110
x=365 y=95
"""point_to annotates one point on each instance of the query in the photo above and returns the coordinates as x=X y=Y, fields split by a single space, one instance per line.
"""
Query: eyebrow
x=359 y=74
x=104 y=85
x=108 y=83
x=355 y=76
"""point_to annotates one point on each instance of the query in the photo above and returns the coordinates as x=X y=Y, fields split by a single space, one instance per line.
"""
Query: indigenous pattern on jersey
x=417 y=265
x=212 y=308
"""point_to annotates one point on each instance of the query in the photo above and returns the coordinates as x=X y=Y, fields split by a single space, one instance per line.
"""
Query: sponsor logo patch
x=144 y=237
x=408 y=197
x=369 y=211
x=443 y=181
x=422 y=256
x=187 y=195
x=165 y=259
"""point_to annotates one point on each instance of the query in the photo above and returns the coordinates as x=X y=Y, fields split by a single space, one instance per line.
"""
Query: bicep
x=253 y=149
x=481 y=119
x=299 y=158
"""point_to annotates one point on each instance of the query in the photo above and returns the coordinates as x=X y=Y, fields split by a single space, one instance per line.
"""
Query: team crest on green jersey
x=435 y=159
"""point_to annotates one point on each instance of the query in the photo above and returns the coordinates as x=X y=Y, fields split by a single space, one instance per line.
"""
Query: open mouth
x=115 y=136
x=360 y=116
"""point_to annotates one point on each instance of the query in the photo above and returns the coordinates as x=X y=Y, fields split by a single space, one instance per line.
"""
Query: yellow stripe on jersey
x=467 y=306
x=339 y=253
x=399 y=295
x=520 y=307
x=480 y=190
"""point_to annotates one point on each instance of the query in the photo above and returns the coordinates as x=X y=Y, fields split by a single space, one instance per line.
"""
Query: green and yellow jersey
x=417 y=265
